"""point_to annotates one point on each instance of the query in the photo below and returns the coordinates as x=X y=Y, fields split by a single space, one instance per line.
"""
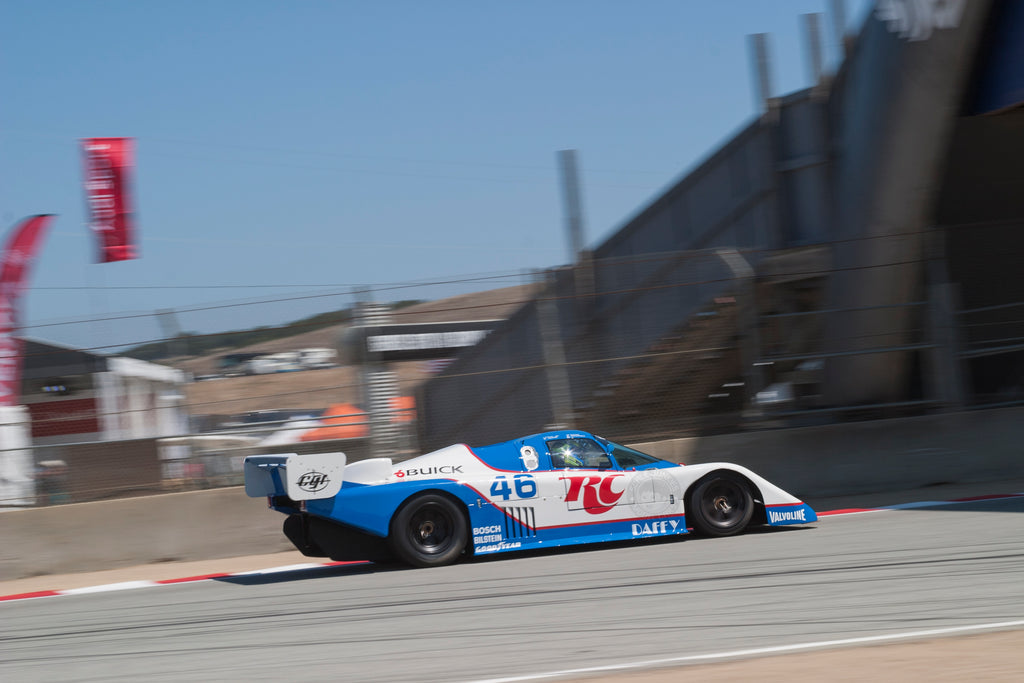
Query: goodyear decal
x=497 y=547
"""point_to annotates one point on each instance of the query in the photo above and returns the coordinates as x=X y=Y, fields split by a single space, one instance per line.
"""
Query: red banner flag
x=17 y=257
x=108 y=166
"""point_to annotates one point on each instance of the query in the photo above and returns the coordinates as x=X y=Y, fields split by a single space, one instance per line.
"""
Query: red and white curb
x=129 y=585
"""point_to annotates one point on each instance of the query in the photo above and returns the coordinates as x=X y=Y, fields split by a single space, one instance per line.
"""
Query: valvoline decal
x=800 y=513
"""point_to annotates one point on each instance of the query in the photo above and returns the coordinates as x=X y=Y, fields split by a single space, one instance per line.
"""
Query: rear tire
x=429 y=531
x=720 y=505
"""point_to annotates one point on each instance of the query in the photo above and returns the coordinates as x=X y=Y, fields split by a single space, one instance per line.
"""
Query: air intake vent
x=519 y=523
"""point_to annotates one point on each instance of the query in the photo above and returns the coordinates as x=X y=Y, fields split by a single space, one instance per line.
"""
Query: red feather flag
x=18 y=255
x=108 y=168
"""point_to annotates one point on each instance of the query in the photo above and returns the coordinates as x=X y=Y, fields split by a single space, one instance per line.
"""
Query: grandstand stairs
x=688 y=381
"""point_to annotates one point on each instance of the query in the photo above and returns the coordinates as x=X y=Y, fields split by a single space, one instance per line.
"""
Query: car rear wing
x=300 y=477
x=309 y=477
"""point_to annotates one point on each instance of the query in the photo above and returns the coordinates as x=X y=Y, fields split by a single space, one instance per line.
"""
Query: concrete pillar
x=380 y=387
x=903 y=96
x=559 y=389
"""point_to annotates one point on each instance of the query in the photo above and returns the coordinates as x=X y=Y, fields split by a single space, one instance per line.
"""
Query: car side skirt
x=495 y=535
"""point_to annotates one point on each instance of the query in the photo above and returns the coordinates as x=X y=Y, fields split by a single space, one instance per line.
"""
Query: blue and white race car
x=546 y=490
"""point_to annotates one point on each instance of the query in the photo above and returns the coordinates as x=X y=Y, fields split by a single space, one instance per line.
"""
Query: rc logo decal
x=597 y=491
x=313 y=482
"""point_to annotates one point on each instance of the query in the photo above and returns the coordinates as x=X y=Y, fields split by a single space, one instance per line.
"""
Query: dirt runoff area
x=997 y=656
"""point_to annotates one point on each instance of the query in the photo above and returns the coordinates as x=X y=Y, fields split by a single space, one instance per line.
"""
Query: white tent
x=17 y=473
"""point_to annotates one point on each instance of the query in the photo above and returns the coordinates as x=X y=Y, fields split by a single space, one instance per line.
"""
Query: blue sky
x=299 y=149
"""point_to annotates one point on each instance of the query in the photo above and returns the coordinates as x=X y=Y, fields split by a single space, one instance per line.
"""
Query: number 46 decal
x=524 y=484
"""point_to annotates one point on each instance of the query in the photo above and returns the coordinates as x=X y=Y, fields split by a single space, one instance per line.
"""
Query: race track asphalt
x=844 y=577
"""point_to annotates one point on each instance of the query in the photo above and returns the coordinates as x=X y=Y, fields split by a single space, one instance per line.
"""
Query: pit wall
x=809 y=462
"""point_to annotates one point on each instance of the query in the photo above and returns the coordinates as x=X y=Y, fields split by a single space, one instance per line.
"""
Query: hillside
x=317 y=389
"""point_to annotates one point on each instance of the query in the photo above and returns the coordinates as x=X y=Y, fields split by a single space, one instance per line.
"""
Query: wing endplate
x=300 y=477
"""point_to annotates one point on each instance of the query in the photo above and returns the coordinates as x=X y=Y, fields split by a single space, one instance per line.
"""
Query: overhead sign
x=423 y=341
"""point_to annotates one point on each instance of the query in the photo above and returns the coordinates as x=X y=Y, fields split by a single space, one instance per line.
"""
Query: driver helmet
x=569 y=458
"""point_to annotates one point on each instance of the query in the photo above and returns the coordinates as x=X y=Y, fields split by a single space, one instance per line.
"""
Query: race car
x=546 y=490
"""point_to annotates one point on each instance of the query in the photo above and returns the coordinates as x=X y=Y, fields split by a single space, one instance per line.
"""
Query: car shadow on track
x=324 y=572
x=633 y=543
x=364 y=568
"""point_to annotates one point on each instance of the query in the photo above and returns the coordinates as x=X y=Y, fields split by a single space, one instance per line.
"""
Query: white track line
x=756 y=652
x=126 y=585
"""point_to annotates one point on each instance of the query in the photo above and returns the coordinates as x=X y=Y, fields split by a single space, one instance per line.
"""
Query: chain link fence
x=636 y=349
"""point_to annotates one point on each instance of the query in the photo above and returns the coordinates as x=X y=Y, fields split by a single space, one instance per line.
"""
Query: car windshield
x=629 y=458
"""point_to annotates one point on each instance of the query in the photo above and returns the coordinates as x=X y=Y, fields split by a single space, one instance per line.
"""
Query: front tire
x=429 y=531
x=721 y=505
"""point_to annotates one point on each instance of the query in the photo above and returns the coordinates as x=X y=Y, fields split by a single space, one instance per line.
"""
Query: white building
x=73 y=396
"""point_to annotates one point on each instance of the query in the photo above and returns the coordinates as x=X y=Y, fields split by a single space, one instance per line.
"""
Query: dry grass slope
x=315 y=389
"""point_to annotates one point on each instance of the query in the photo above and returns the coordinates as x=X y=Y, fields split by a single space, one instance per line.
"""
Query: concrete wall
x=869 y=457
x=811 y=462
x=100 y=535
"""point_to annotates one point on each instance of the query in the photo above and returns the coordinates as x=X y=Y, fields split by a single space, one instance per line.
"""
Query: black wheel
x=429 y=531
x=721 y=505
